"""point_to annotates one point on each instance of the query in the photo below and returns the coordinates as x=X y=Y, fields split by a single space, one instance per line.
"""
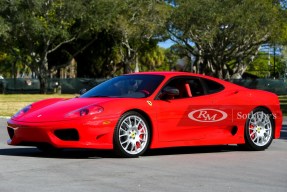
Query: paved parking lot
x=225 y=168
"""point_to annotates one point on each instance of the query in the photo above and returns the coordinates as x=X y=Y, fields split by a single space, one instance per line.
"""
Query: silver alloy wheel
x=260 y=128
x=133 y=134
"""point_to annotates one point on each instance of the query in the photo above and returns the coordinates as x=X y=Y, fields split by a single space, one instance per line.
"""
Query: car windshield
x=126 y=86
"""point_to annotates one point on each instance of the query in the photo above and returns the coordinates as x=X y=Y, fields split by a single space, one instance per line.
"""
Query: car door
x=189 y=117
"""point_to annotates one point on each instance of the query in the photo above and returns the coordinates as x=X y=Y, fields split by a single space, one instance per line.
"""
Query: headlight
x=88 y=110
x=22 y=111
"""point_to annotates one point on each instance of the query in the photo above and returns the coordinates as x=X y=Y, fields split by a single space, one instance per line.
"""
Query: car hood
x=58 y=110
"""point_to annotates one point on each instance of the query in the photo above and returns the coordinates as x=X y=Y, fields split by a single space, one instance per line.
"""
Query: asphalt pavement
x=224 y=168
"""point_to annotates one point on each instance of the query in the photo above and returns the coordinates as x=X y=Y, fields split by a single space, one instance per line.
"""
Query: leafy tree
x=171 y=58
x=11 y=65
x=4 y=28
x=101 y=58
x=152 y=59
x=104 y=58
x=224 y=36
x=133 y=32
x=127 y=35
x=41 y=27
x=261 y=66
x=139 y=23
x=283 y=61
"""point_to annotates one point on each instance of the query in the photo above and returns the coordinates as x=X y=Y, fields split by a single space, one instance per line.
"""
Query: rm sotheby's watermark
x=224 y=113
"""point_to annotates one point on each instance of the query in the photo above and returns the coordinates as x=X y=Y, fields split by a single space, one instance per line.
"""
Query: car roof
x=167 y=73
x=170 y=74
x=175 y=73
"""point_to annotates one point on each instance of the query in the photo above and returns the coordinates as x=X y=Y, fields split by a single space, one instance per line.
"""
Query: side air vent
x=234 y=130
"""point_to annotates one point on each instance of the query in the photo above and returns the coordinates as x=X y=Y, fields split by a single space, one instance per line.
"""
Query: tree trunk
x=44 y=73
x=129 y=59
x=43 y=84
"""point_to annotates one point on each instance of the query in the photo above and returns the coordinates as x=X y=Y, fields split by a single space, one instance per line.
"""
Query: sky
x=166 y=44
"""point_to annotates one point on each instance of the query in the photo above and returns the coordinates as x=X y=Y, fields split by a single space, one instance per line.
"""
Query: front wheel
x=259 y=129
x=131 y=135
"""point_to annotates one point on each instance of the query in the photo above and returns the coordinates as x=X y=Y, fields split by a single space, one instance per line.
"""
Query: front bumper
x=96 y=134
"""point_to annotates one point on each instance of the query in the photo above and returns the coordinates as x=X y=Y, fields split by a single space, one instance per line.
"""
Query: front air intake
x=67 y=134
x=10 y=132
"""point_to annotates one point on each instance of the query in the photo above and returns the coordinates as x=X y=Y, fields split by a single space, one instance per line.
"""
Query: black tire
x=259 y=130
x=131 y=135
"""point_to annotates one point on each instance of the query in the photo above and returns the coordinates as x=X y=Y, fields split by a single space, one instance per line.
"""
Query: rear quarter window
x=212 y=86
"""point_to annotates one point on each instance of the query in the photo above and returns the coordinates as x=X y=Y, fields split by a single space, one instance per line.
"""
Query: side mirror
x=170 y=92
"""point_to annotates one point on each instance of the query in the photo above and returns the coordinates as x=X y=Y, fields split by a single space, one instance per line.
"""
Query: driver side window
x=179 y=88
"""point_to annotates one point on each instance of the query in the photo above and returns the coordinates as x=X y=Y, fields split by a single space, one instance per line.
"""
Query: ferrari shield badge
x=149 y=103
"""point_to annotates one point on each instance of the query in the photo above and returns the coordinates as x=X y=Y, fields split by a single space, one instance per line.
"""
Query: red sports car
x=134 y=112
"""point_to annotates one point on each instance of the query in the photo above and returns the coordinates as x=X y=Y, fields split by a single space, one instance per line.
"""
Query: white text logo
x=207 y=115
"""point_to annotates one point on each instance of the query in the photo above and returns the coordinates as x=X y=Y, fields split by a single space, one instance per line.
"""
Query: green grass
x=10 y=104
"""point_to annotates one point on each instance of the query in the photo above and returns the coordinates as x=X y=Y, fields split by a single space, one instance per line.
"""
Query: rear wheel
x=131 y=135
x=259 y=129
